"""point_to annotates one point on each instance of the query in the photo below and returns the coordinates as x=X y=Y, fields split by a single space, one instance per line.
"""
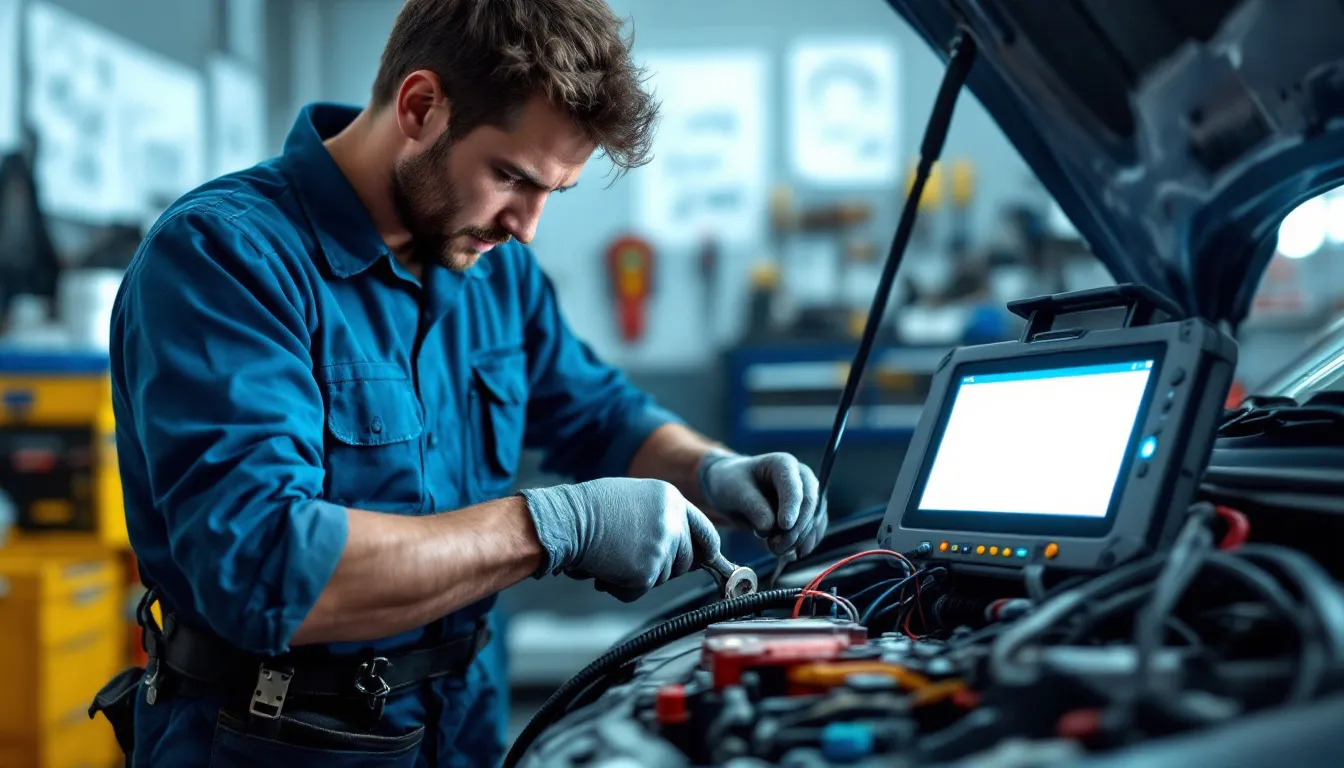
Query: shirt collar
x=345 y=232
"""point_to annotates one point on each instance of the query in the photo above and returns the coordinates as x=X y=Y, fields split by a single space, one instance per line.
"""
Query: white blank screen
x=1041 y=442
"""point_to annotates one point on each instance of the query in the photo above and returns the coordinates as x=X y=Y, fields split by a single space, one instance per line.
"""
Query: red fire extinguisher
x=630 y=264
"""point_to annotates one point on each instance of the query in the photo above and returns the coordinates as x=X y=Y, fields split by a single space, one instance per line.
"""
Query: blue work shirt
x=273 y=364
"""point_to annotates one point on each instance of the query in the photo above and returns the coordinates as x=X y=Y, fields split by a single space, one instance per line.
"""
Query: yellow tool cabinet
x=62 y=636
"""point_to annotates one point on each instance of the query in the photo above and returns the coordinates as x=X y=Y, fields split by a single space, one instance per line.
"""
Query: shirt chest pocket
x=374 y=457
x=498 y=400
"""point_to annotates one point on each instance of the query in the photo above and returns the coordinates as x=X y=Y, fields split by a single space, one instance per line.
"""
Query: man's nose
x=520 y=219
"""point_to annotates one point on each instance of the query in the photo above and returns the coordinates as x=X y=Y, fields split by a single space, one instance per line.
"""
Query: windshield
x=1320 y=368
x=1292 y=344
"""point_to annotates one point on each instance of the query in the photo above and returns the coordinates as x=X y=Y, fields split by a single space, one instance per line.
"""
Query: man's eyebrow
x=531 y=179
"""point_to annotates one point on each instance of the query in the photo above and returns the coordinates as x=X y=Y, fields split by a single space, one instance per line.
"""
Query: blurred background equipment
x=747 y=255
x=28 y=262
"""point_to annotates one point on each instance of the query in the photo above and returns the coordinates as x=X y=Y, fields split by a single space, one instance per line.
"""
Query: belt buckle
x=268 y=697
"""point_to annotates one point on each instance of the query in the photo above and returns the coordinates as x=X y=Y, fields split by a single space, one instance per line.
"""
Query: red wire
x=827 y=595
x=905 y=626
x=816 y=583
x=1238 y=528
x=869 y=553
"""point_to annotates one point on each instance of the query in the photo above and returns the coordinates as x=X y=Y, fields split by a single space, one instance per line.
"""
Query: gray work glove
x=629 y=535
x=773 y=494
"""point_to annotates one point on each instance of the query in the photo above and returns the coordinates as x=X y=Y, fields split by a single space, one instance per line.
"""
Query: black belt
x=271 y=681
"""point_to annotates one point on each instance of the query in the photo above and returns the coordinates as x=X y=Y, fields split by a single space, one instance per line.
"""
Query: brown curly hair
x=491 y=56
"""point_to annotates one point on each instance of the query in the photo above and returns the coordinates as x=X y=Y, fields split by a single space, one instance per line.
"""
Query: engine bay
x=942 y=668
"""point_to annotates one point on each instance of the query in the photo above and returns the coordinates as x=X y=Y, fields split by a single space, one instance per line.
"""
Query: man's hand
x=772 y=494
x=630 y=535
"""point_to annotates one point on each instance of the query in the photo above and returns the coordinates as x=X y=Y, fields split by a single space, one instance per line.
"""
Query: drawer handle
x=76 y=570
x=4 y=587
x=88 y=595
x=81 y=642
x=75 y=716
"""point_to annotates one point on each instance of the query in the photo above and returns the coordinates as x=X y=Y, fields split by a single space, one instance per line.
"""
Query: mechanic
x=324 y=370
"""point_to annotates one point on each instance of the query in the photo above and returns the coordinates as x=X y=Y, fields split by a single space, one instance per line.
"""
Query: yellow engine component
x=58 y=455
x=831 y=674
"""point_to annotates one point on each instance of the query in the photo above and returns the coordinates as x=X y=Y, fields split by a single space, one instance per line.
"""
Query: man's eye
x=508 y=178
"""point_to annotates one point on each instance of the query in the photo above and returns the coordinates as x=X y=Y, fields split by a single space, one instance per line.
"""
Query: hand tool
x=733 y=580
x=780 y=564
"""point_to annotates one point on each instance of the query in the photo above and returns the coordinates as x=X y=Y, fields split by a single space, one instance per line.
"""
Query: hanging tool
x=733 y=580
x=709 y=278
x=630 y=265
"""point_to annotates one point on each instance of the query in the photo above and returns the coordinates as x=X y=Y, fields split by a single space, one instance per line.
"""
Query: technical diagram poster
x=71 y=106
x=119 y=128
x=9 y=75
x=844 y=112
x=161 y=119
x=707 y=176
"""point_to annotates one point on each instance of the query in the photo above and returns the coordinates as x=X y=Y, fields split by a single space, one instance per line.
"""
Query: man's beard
x=427 y=204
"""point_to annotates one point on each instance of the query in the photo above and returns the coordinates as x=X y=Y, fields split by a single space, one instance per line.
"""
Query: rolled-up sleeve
x=211 y=363
x=585 y=414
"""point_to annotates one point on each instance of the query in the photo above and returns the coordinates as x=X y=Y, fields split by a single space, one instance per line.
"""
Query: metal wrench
x=733 y=580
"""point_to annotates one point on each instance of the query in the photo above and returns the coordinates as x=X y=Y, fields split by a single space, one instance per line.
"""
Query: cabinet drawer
x=83 y=744
x=83 y=607
x=61 y=598
x=87 y=744
x=62 y=636
x=73 y=672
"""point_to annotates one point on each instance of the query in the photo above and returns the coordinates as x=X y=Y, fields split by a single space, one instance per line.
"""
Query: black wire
x=899 y=586
x=1312 y=657
x=874 y=587
x=960 y=58
x=1092 y=616
x=1034 y=579
x=1187 y=633
x=1187 y=557
x=913 y=603
x=1315 y=585
x=1136 y=572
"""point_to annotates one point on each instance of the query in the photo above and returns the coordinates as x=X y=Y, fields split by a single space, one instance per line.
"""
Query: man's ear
x=421 y=106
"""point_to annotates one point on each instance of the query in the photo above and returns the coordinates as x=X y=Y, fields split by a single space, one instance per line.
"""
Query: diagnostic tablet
x=1080 y=445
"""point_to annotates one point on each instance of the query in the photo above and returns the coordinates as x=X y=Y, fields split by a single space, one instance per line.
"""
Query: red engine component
x=733 y=648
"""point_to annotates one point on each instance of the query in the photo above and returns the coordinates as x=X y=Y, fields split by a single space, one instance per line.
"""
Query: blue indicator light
x=1021 y=551
x=1148 y=447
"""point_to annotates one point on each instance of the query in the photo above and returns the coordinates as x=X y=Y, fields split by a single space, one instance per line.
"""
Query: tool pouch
x=117 y=703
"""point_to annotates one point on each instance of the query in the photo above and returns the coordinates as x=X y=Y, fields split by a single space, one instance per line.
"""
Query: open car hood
x=1176 y=134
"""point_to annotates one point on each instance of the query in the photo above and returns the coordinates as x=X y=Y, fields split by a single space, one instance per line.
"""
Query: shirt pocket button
x=376 y=426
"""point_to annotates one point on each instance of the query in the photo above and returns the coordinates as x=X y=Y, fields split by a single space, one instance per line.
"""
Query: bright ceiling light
x=1302 y=232
x=1334 y=225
